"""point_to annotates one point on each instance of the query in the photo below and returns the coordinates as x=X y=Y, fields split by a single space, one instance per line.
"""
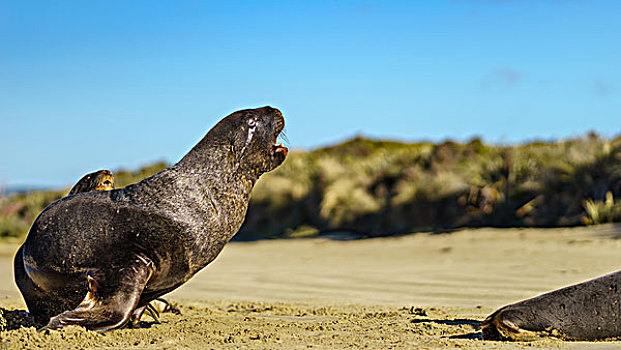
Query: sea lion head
x=101 y=180
x=251 y=139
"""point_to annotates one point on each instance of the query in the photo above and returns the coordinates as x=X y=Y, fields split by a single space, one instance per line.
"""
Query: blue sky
x=86 y=85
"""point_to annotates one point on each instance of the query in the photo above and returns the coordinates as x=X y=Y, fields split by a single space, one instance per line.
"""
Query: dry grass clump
x=601 y=212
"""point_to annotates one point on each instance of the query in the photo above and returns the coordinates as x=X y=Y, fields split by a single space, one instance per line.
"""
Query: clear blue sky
x=86 y=85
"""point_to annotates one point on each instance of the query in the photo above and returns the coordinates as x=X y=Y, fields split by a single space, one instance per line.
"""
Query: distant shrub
x=12 y=226
x=18 y=211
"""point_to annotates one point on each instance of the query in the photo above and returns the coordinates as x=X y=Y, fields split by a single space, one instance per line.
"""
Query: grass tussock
x=601 y=212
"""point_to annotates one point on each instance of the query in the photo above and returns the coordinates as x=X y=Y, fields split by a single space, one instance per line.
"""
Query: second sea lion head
x=251 y=136
x=102 y=180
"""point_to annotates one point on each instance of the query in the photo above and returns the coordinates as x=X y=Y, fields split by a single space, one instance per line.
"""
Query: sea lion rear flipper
x=107 y=305
x=40 y=304
x=161 y=305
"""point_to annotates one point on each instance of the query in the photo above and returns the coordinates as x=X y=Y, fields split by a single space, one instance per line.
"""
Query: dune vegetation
x=371 y=188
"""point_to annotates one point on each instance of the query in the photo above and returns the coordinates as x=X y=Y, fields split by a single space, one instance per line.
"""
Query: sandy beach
x=421 y=291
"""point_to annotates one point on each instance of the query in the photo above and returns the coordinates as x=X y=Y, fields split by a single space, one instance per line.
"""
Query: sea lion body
x=98 y=258
x=589 y=310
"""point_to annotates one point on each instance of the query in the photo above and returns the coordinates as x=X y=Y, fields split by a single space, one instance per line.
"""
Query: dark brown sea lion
x=97 y=259
x=586 y=311
x=101 y=180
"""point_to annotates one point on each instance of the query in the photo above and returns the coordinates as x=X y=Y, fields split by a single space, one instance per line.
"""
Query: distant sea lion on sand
x=101 y=180
x=586 y=311
x=97 y=259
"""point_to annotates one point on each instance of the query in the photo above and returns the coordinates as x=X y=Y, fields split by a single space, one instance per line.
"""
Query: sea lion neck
x=214 y=162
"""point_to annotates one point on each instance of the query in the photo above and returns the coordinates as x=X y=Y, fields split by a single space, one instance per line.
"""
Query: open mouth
x=278 y=148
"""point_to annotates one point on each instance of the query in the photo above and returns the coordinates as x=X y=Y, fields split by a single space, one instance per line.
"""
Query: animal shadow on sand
x=457 y=322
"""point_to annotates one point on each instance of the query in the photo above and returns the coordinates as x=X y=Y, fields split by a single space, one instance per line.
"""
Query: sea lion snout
x=280 y=119
x=271 y=110
x=274 y=113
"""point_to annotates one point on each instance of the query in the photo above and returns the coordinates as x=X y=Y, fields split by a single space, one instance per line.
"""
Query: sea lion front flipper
x=504 y=324
x=134 y=319
x=107 y=304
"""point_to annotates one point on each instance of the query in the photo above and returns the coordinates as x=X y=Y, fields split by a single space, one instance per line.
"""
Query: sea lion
x=98 y=258
x=589 y=310
x=101 y=180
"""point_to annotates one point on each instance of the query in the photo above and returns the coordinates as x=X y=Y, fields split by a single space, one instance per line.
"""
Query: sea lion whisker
x=283 y=136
